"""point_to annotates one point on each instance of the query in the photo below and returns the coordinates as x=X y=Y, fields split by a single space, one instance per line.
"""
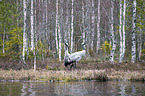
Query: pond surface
x=109 y=88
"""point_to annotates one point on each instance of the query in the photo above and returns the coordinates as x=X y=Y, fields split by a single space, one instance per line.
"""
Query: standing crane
x=74 y=57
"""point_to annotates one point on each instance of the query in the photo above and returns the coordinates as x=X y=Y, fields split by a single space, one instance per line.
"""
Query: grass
x=90 y=69
x=67 y=76
x=51 y=75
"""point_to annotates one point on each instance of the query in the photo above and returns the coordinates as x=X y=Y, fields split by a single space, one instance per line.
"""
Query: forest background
x=35 y=31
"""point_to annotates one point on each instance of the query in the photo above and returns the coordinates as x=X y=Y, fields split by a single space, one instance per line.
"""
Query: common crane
x=74 y=57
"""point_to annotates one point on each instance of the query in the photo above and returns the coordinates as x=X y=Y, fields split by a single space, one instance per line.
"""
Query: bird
x=66 y=50
x=73 y=57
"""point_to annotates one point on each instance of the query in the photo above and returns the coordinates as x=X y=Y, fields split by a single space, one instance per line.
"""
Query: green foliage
x=12 y=46
x=106 y=47
x=9 y=30
x=143 y=54
x=47 y=67
x=91 y=52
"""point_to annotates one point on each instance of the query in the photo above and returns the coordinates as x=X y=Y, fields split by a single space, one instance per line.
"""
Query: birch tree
x=93 y=25
x=32 y=27
x=56 y=26
x=83 y=22
x=35 y=39
x=133 y=50
x=112 y=33
x=98 y=27
x=72 y=29
x=122 y=29
x=123 y=44
x=24 y=31
x=57 y=31
x=4 y=39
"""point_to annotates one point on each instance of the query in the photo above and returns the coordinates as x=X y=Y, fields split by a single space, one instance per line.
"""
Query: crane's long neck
x=66 y=52
x=84 y=48
x=66 y=48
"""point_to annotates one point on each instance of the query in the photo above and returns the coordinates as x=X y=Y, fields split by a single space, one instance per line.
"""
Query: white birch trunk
x=4 y=39
x=112 y=34
x=32 y=27
x=46 y=20
x=140 y=44
x=67 y=22
x=120 y=32
x=98 y=27
x=124 y=11
x=57 y=32
x=24 y=32
x=93 y=25
x=59 y=49
x=72 y=30
x=83 y=21
x=35 y=40
x=56 y=26
x=133 y=51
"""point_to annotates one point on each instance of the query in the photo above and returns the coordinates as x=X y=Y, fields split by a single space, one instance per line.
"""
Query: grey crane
x=74 y=57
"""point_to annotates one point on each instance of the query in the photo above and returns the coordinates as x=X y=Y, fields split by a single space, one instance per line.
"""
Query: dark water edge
x=83 y=88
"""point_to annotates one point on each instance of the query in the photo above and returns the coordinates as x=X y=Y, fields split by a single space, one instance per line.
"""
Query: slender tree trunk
x=133 y=52
x=46 y=23
x=72 y=29
x=24 y=31
x=32 y=27
x=124 y=11
x=67 y=23
x=98 y=28
x=56 y=27
x=83 y=22
x=120 y=32
x=93 y=25
x=4 y=39
x=35 y=39
x=57 y=32
x=140 y=45
x=112 y=34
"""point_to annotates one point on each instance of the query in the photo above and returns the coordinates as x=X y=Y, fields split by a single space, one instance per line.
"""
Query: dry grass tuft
x=62 y=75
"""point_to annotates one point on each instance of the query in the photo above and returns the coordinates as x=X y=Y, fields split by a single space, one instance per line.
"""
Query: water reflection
x=110 y=88
x=27 y=89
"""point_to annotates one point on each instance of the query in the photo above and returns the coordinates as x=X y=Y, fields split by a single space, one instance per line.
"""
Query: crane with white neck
x=73 y=57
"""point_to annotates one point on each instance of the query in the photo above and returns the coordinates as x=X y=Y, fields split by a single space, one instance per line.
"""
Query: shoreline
x=70 y=76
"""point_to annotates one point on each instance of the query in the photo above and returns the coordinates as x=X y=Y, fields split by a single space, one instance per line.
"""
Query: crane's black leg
x=71 y=65
x=75 y=65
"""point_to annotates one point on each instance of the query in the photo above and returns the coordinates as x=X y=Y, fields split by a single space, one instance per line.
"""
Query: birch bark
x=120 y=33
x=93 y=25
x=72 y=30
x=83 y=22
x=133 y=51
x=56 y=26
x=24 y=31
x=35 y=39
x=122 y=30
x=4 y=39
x=32 y=27
x=98 y=27
x=57 y=32
x=124 y=11
x=112 y=34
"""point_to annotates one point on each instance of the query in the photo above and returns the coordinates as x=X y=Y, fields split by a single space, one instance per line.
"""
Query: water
x=109 y=88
